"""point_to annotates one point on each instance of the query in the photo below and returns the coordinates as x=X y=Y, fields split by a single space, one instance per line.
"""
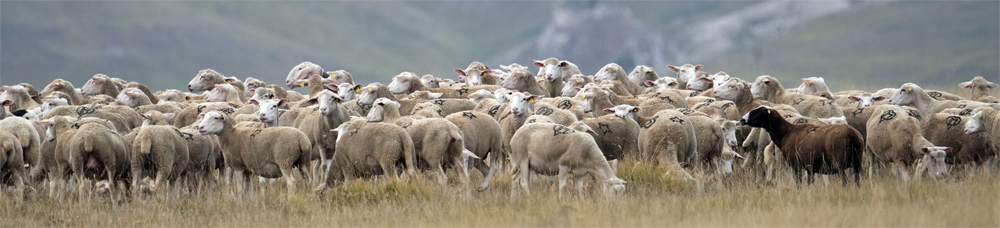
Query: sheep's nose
x=514 y=109
x=189 y=87
x=475 y=83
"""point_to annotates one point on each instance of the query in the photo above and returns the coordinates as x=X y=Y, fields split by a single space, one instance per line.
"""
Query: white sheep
x=554 y=149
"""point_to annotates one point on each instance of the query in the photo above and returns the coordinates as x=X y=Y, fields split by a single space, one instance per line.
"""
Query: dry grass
x=653 y=199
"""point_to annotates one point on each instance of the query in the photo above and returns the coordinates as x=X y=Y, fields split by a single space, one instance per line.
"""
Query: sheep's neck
x=778 y=130
x=417 y=85
x=989 y=119
x=109 y=89
x=384 y=92
x=599 y=103
x=24 y=101
x=334 y=117
x=774 y=93
x=978 y=92
x=923 y=102
x=745 y=102
x=390 y=114
x=228 y=127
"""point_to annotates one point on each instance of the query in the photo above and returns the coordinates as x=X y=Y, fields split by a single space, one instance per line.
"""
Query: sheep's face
x=521 y=103
x=934 y=161
x=663 y=83
x=301 y=72
x=975 y=123
x=501 y=95
x=263 y=94
x=401 y=83
x=641 y=72
x=347 y=91
x=8 y=96
x=811 y=85
x=762 y=85
x=102 y=187
x=572 y=86
x=729 y=133
x=623 y=110
x=212 y=123
x=481 y=95
x=252 y=84
x=430 y=81
x=701 y=81
x=730 y=90
x=205 y=80
x=327 y=102
x=685 y=72
x=94 y=85
x=268 y=112
x=219 y=94
x=368 y=93
x=587 y=96
x=614 y=188
x=978 y=83
x=726 y=161
x=172 y=95
x=517 y=77
x=906 y=95
x=866 y=100
x=719 y=78
x=760 y=117
x=377 y=113
x=611 y=71
x=552 y=69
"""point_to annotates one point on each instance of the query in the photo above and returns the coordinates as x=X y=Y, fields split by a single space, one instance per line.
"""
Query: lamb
x=273 y=155
x=980 y=89
x=575 y=83
x=520 y=79
x=159 y=149
x=685 y=73
x=483 y=137
x=665 y=138
x=888 y=142
x=768 y=88
x=12 y=161
x=92 y=150
x=436 y=141
x=911 y=94
x=17 y=98
x=642 y=73
x=208 y=78
x=614 y=72
x=947 y=130
x=553 y=149
x=359 y=158
x=99 y=84
x=406 y=83
x=833 y=148
x=66 y=87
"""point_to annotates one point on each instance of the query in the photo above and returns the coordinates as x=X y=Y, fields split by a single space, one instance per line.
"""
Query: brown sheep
x=817 y=149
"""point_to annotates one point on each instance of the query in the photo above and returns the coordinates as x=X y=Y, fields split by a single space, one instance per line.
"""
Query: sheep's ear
x=335 y=130
x=856 y=99
x=649 y=83
x=828 y=96
x=357 y=88
x=311 y=101
x=738 y=155
x=609 y=110
x=539 y=63
x=201 y=115
x=965 y=85
x=706 y=80
x=504 y=68
x=169 y=115
x=145 y=116
x=992 y=85
x=563 y=64
x=230 y=80
x=636 y=109
x=766 y=81
x=925 y=150
x=673 y=68
x=878 y=98
x=460 y=72
x=254 y=102
x=698 y=67
x=435 y=95
x=335 y=99
x=947 y=149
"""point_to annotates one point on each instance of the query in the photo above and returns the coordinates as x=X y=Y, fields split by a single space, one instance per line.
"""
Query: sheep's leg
x=240 y=183
x=797 y=173
x=322 y=159
x=843 y=177
x=563 y=171
x=525 y=174
x=901 y=172
x=487 y=171
x=614 y=165
x=461 y=167
x=288 y=174
x=919 y=171
x=16 y=176
x=441 y=177
x=579 y=185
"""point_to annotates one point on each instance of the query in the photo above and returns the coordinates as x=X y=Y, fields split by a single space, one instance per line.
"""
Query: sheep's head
x=212 y=123
x=517 y=75
x=624 y=110
x=934 y=161
x=268 y=112
x=369 y=93
x=252 y=84
x=685 y=72
x=552 y=68
x=328 y=101
x=866 y=100
x=521 y=103
x=763 y=85
x=429 y=81
x=220 y=93
x=300 y=72
x=172 y=95
x=726 y=159
x=501 y=95
x=9 y=94
x=337 y=77
x=811 y=85
x=701 y=81
x=401 y=83
x=573 y=85
x=641 y=72
x=729 y=132
x=481 y=95
x=204 y=80
x=719 y=78
x=762 y=116
x=348 y=91
x=55 y=125
x=611 y=71
x=58 y=85
x=979 y=83
x=975 y=122
x=906 y=95
x=730 y=90
x=587 y=95
x=614 y=188
x=662 y=83
x=94 y=85
x=154 y=117
x=379 y=108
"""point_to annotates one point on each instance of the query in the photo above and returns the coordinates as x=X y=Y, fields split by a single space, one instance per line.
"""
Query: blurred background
x=853 y=44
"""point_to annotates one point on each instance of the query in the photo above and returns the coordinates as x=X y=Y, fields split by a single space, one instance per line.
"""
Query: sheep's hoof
x=481 y=189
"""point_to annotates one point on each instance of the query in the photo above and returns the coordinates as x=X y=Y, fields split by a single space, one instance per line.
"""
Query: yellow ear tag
x=607 y=87
x=46 y=120
x=358 y=90
x=152 y=185
x=303 y=84
x=476 y=93
x=369 y=89
x=334 y=75
x=487 y=73
x=413 y=96
x=635 y=110
x=578 y=81
x=810 y=81
x=909 y=89
x=768 y=111
x=583 y=95
x=57 y=83
x=980 y=116
x=532 y=100
x=164 y=94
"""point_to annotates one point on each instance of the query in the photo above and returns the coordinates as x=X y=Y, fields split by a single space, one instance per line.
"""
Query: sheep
x=596 y=98
x=665 y=138
x=133 y=97
x=520 y=79
x=703 y=81
x=92 y=150
x=616 y=87
x=719 y=109
x=829 y=149
x=660 y=83
x=428 y=110
x=273 y=155
x=738 y=91
x=406 y=83
x=815 y=86
x=172 y=95
x=66 y=87
x=281 y=93
x=985 y=120
x=348 y=91
x=615 y=135
x=189 y=115
x=357 y=157
x=99 y=84
x=865 y=99
x=911 y=94
x=642 y=73
x=436 y=141
x=478 y=74
x=553 y=68
x=858 y=117
x=35 y=95
x=554 y=149
x=614 y=72
x=207 y=79
x=224 y=93
x=121 y=124
x=145 y=90
x=448 y=105
x=29 y=138
x=26 y=114
x=483 y=137
x=685 y=73
x=202 y=151
x=252 y=84
x=897 y=139
x=980 y=89
x=540 y=119
x=12 y=161
x=269 y=110
x=316 y=124
x=947 y=130
x=159 y=149
x=575 y=83
x=17 y=98
x=712 y=135
x=768 y=88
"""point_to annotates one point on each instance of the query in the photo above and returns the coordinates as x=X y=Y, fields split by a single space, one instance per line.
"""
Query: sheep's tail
x=88 y=143
x=145 y=145
x=409 y=156
x=305 y=146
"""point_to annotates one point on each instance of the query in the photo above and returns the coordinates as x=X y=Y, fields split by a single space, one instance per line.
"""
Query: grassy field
x=652 y=199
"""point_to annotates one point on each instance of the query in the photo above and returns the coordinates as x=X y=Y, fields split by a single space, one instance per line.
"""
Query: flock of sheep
x=120 y=139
